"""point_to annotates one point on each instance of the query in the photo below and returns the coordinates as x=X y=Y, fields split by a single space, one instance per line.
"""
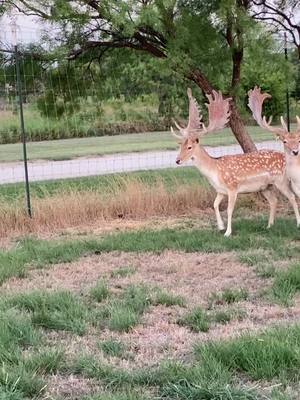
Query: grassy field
x=121 y=288
x=151 y=314
x=100 y=146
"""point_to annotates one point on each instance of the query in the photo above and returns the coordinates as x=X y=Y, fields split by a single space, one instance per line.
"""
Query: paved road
x=48 y=170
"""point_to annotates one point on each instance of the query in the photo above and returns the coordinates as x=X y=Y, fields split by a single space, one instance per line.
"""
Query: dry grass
x=135 y=200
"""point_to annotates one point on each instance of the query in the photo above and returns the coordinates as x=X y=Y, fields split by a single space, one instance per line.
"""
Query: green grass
x=122 y=272
x=16 y=335
x=94 y=146
x=123 y=312
x=100 y=291
x=222 y=317
x=228 y=296
x=122 y=318
x=269 y=355
x=200 y=320
x=167 y=299
x=16 y=331
x=128 y=395
x=45 y=361
x=113 y=347
x=105 y=183
x=207 y=380
x=30 y=253
x=248 y=234
x=286 y=284
x=59 y=310
x=197 y=320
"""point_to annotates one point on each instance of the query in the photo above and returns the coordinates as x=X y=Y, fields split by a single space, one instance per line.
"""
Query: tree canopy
x=216 y=44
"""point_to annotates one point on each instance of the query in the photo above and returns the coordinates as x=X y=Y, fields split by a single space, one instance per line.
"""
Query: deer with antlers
x=231 y=175
x=291 y=141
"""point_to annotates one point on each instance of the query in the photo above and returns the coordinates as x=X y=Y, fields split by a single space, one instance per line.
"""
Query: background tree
x=167 y=29
x=211 y=43
x=281 y=16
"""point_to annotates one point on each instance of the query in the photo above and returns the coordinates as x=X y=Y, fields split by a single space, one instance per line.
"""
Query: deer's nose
x=295 y=152
x=178 y=161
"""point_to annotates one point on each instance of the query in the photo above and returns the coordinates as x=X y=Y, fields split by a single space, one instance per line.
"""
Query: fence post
x=23 y=133
x=287 y=88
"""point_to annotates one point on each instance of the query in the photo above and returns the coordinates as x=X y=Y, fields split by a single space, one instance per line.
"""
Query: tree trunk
x=236 y=124
x=240 y=132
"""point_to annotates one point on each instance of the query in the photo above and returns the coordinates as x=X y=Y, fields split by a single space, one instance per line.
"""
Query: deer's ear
x=280 y=136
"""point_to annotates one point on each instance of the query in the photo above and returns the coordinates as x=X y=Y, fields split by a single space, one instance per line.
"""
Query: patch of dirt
x=70 y=387
x=191 y=275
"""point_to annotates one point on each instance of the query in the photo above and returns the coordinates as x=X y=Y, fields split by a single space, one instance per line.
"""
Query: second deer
x=231 y=175
x=291 y=141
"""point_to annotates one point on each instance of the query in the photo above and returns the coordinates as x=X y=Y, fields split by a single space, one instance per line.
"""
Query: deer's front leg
x=296 y=189
x=231 y=203
x=284 y=189
x=217 y=202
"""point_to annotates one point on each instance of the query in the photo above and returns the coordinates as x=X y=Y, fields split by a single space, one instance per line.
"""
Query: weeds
x=100 y=292
x=200 y=320
x=123 y=272
x=124 y=312
x=228 y=296
x=167 y=299
x=57 y=310
x=286 y=284
x=45 y=361
x=113 y=347
x=197 y=320
x=272 y=354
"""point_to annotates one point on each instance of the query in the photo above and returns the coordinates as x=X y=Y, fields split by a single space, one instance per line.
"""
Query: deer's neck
x=292 y=166
x=204 y=162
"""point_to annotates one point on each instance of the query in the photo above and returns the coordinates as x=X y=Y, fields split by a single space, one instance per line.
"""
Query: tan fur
x=231 y=175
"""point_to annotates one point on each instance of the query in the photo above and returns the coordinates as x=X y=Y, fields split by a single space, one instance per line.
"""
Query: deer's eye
x=285 y=141
x=189 y=147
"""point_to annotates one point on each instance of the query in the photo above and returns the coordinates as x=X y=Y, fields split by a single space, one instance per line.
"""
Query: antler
x=298 y=123
x=218 y=112
x=195 y=116
x=255 y=103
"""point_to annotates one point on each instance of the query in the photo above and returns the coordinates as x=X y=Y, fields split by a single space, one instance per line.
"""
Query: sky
x=28 y=29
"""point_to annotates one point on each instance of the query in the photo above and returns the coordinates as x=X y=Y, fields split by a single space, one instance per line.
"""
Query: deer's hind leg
x=217 y=202
x=270 y=195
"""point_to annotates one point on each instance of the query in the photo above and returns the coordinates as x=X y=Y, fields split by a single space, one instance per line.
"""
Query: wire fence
x=66 y=137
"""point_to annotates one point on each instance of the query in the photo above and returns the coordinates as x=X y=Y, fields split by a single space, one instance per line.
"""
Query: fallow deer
x=291 y=141
x=231 y=175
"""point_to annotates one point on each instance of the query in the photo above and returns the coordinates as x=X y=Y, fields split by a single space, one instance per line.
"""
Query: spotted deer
x=231 y=175
x=291 y=141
